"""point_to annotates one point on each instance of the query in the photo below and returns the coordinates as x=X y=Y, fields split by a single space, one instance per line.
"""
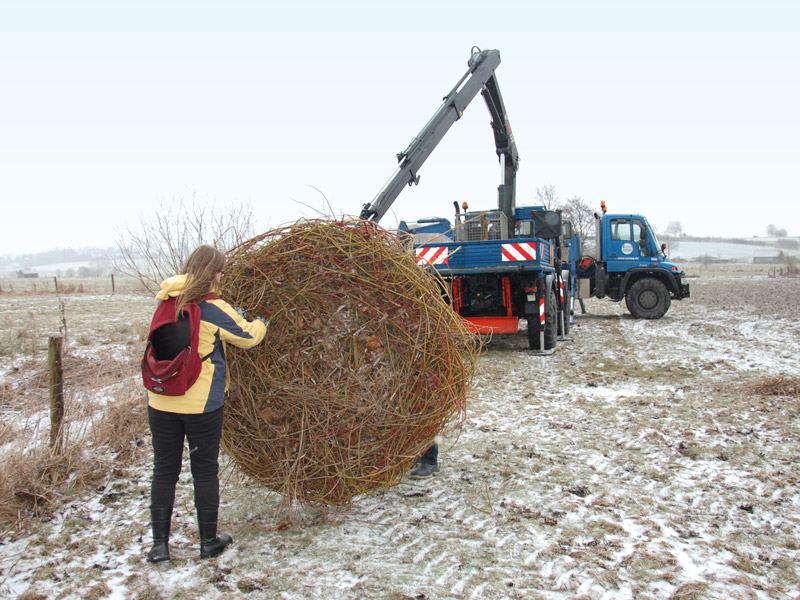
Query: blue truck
x=514 y=264
x=630 y=263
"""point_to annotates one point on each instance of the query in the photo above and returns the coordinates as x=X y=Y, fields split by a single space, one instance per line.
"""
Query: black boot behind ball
x=211 y=545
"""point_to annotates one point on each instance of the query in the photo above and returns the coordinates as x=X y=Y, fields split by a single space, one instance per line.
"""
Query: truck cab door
x=627 y=244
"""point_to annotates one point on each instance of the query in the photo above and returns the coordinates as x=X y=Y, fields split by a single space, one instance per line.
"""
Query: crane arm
x=480 y=76
x=505 y=146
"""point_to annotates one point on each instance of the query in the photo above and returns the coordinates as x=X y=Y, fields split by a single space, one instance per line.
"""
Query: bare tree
x=546 y=196
x=674 y=229
x=581 y=215
x=673 y=232
x=157 y=247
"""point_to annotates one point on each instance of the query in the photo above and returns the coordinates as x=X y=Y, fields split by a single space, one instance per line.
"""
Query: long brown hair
x=201 y=269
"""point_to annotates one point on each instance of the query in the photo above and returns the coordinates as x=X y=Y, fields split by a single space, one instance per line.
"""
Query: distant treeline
x=777 y=242
x=60 y=255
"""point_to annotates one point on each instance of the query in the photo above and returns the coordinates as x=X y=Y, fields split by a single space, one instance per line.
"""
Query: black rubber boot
x=211 y=545
x=423 y=470
x=427 y=464
x=160 y=519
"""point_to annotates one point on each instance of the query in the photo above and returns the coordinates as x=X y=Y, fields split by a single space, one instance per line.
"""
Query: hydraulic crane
x=514 y=262
x=479 y=78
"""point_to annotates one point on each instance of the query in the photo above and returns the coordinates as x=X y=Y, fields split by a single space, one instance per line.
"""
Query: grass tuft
x=778 y=385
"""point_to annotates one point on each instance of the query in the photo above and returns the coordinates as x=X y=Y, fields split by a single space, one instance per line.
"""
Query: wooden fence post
x=56 y=393
x=113 y=288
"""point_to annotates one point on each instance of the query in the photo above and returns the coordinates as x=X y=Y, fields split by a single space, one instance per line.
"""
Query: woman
x=197 y=415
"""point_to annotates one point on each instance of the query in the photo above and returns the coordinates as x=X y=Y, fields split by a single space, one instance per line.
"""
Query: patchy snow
x=636 y=462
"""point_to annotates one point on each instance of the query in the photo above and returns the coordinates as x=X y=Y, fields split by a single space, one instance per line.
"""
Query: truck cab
x=630 y=263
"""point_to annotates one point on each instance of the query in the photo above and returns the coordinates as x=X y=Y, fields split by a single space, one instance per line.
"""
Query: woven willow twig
x=364 y=362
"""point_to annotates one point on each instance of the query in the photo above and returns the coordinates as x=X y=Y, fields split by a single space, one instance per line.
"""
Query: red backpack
x=171 y=362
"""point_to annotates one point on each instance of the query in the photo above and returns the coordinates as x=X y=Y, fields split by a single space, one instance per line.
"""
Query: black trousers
x=203 y=432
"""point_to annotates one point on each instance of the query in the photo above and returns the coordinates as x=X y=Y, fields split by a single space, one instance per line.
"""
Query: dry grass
x=100 y=431
x=36 y=480
x=690 y=591
x=778 y=385
x=121 y=429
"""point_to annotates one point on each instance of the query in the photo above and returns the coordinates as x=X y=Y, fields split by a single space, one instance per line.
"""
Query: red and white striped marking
x=520 y=251
x=432 y=255
x=541 y=312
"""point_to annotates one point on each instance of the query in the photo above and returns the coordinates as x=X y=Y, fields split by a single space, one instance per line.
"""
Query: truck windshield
x=653 y=236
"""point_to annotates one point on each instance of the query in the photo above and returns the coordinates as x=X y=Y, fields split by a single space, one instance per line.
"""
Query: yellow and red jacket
x=219 y=325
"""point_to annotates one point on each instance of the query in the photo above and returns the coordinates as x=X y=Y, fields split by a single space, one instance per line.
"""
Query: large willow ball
x=364 y=361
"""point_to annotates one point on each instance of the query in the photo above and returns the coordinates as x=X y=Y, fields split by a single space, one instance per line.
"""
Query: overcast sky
x=681 y=110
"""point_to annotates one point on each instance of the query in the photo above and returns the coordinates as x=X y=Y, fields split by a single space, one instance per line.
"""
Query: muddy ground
x=644 y=459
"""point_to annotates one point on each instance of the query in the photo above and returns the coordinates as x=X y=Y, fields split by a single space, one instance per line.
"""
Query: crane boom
x=479 y=78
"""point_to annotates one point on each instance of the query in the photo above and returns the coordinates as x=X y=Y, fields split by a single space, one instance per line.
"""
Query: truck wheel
x=551 y=323
x=648 y=298
x=533 y=332
x=550 y=327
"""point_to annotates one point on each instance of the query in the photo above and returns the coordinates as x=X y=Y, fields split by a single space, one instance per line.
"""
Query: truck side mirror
x=663 y=247
x=566 y=230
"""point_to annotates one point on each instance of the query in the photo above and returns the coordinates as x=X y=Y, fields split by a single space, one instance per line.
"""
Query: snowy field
x=683 y=251
x=643 y=460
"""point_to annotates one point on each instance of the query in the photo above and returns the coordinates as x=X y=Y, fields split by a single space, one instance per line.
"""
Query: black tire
x=551 y=323
x=648 y=298
x=550 y=326
x=533 y=332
